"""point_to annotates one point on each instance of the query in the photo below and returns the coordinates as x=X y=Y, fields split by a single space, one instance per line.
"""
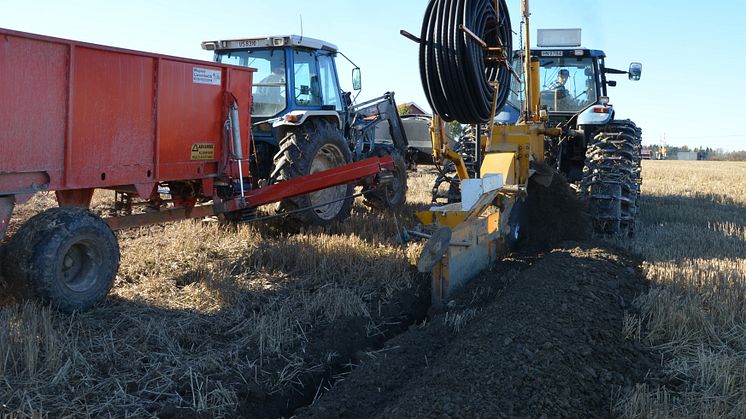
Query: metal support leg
x=80 y=198
x=478 y=154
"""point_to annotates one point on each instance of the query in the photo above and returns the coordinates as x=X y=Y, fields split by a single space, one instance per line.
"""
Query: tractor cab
x=572 y=79
x=295 y=75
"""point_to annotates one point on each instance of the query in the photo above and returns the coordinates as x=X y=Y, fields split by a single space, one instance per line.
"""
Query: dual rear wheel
x=611 y=178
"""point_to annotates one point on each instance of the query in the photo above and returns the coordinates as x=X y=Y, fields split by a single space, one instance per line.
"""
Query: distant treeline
x=703 y=153
x=729 y=156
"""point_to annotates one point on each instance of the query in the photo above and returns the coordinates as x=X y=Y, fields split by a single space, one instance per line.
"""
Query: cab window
x=567 y=84
x=268 y=92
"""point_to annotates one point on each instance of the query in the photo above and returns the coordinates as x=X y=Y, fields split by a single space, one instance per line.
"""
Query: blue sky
x=691 y=51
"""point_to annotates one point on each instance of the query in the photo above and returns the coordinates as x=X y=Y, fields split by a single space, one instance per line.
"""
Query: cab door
x=306 y=86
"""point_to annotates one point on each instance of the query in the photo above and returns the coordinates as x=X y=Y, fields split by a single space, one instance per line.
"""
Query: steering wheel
x=301 y=90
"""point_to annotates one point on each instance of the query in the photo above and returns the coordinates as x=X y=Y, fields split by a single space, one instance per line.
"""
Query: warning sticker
x=203 y=151
x=205 y=76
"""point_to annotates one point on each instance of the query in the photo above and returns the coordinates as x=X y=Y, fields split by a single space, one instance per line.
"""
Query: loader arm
x=366 y=116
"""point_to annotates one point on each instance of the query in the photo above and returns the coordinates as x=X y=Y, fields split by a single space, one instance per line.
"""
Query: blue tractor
x=597 y=153
x=303 y=123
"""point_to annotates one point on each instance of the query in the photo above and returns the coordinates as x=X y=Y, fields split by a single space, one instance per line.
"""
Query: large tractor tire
x=611 y=178
x=393 y=194
x=67 y=257
x=316 y=146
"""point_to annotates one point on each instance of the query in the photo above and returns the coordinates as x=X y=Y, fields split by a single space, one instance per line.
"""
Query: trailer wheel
x=394 y=194
x=68 y=256
x=316 y=146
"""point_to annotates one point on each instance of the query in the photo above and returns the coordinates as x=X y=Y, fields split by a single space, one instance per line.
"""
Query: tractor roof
x=562 y=43
x=569 y=52
x=268 y=42
x=563 y=52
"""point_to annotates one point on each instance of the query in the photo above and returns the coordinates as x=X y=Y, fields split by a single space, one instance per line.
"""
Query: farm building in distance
x=414 y=109
x=687 y=155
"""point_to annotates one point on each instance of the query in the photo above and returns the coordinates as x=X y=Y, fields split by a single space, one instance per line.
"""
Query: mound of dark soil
x=552 y=212
x=542 y=340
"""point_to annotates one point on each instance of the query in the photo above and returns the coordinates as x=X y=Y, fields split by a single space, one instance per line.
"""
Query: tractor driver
x=559 y=84
x=562 y=97
x=278 y=71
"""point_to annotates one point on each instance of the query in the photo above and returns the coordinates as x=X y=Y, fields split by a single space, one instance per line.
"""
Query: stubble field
x=212 y=321
x=692 y=238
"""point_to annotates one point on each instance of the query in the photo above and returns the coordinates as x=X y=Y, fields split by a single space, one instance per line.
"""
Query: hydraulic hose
x=457 y=72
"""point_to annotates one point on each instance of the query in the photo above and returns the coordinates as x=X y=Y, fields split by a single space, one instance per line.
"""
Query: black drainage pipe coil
x=456 y=73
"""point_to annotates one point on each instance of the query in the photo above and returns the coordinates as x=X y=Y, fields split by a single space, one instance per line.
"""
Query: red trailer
x=75 y=117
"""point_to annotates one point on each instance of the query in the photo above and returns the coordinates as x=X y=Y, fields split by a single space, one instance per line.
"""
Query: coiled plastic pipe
x=454 y=68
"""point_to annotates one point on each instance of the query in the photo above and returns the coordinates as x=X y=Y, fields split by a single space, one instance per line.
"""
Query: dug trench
x=337 y=349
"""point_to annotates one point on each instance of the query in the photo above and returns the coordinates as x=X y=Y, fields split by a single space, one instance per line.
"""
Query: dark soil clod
x=552 y=213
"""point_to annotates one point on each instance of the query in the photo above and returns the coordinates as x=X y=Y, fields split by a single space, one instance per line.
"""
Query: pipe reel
x=465 y=48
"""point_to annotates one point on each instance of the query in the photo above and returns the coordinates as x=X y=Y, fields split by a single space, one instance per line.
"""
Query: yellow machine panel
x=501 y=163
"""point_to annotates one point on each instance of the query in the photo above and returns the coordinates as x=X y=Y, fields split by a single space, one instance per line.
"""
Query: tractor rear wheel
x=611 y=178
x=394 y=194
x=68 y=256
x=316 y=146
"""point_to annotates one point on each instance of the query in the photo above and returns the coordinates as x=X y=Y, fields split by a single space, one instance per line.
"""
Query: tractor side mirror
x=356 y=82
x=611 y=83
x=635 y=71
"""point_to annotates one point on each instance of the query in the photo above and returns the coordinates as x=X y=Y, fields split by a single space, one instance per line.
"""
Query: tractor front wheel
x=393 y=194
x=68 y=256
x=314 y=147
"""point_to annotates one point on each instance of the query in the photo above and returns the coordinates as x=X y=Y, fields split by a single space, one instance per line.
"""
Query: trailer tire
x=315 y=146
x=394 y=194
x=68 y=256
